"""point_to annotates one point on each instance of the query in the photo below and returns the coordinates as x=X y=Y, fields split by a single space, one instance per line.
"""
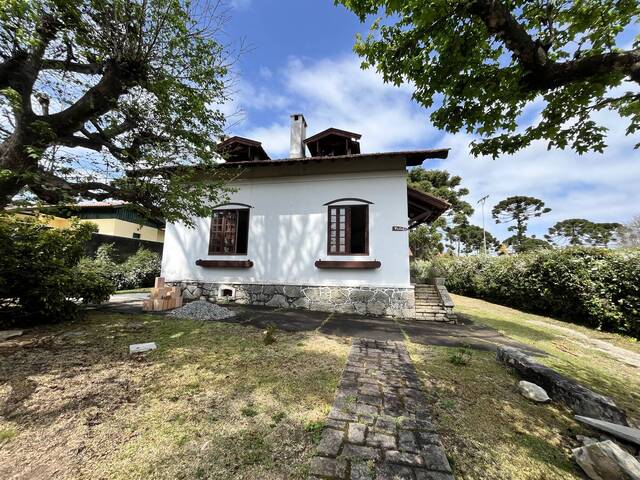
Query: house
x=113 y=218
x=326 y=232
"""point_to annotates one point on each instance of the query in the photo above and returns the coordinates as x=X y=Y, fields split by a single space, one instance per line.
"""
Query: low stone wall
x=578 y=398
x=394 y=302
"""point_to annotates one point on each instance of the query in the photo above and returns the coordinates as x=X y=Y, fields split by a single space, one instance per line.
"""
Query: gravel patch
x=202 y=310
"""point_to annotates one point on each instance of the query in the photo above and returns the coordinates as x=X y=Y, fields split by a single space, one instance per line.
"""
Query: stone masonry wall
x=394 y=302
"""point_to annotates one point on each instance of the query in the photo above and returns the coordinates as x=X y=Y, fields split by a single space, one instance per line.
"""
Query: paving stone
x=435 y=458
x=330 y=442
x=407 y=441
x=405 y=458
x=356 y=432
x=379 y=424
x=375 y=439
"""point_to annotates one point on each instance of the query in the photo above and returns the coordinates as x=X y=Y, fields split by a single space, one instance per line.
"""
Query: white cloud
x=337 y=93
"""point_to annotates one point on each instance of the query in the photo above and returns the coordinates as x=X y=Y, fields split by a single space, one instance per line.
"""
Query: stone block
x=404 y=458
x=278 y=301
x=606 y=460
x=356 y=433
x=560 y=388
x=330 y=442
x=142 y=347
x=435 y=458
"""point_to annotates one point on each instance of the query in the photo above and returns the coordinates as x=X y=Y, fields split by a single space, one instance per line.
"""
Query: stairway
x=433 y=303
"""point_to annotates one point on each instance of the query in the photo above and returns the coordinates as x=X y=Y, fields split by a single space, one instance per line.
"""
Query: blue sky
x=300 y=59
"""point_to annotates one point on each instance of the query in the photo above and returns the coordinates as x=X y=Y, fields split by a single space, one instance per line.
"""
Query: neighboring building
x=112 y=218
x=327 y=232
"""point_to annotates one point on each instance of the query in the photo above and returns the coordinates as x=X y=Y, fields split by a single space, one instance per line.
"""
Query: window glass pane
x=243 y=232
x=358 y=229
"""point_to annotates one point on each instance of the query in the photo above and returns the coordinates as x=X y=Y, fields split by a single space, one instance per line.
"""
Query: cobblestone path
x=379 y=427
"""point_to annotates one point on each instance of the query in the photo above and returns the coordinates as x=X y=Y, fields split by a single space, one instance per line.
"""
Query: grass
x=569 y=349
x=135 y=290
x=211 y=402
x=488 y=429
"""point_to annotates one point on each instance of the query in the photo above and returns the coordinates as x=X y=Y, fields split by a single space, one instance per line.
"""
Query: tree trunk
x=16 y=166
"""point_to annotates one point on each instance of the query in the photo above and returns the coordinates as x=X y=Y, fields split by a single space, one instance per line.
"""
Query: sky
x=299 y=58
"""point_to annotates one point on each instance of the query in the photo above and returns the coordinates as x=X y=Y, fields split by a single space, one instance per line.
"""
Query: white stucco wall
x=288 y=233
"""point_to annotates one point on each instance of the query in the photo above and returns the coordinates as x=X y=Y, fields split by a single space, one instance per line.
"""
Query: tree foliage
x=111 y=99
x=578 y=231
x=425 y=241
x=443 y=185
x=488 y=60
x=527 y=244
x=629 y=234
x=518 y=210
x=466 y=238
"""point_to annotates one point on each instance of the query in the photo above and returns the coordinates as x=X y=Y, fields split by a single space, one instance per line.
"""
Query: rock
x=533 y=392
x=7 y=334
x=584 y=440
x=577 y=397
x=607 y=461
x=278 y=301
x=142 y=347
x=628 y=434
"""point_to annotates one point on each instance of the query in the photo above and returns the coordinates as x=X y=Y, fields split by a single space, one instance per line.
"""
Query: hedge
x=598 y=288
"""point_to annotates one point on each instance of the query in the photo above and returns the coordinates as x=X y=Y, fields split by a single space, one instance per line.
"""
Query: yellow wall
x=120 y=228
x=110 y=226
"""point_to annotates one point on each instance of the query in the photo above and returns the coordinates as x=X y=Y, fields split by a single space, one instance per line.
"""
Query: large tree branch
x=541 y=73
x=85 y=68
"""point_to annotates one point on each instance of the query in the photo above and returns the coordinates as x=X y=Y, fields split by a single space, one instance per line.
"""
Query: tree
x=629 y=234
x=602 y=234
x=490 y=59
x=578 y=231
x=111 y=99
x=444 y=185
x=425 y=241
x=528 y=244
x=519 y=210
x=575 y=231
x=467 y=238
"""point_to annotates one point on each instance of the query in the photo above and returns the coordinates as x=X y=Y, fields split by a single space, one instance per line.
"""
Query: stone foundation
x=393 y=302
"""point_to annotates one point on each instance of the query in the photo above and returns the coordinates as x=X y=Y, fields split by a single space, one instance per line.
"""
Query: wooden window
x=229 y=232
x=348 y=230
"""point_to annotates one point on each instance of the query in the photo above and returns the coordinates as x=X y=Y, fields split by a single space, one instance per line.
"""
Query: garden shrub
x=40 y=276
x=137 y=271
x=595 y=287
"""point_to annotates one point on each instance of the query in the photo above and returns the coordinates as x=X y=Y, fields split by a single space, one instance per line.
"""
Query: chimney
x=298 y=135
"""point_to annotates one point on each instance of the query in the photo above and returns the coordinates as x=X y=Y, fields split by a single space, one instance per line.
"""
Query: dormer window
x=333 y=142
x=239 y=149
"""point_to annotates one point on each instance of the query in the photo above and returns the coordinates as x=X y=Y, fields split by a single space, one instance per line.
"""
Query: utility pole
x=484 y=232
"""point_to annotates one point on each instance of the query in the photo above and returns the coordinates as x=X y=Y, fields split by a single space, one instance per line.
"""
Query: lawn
x=599 y=360
x=212 y=402
x=488 y=429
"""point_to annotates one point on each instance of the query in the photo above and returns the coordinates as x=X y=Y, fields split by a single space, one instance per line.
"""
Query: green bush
x=595 y=287
x=139 y=270
x=40 y=278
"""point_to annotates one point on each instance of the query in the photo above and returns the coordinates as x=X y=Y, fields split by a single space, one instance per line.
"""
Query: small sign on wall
x=399 y=228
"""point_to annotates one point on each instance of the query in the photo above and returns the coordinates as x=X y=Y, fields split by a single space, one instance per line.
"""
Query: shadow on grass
x=488 y=429
x=202 y=372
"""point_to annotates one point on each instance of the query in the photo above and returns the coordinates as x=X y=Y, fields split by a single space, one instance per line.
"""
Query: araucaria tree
x=489 y=59
x=426 y=240
x=578 y=231
x=518 y=210
x=111 y=99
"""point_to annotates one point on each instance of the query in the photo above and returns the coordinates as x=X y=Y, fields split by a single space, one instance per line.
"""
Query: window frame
x=210 y=252
x=347 y=233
